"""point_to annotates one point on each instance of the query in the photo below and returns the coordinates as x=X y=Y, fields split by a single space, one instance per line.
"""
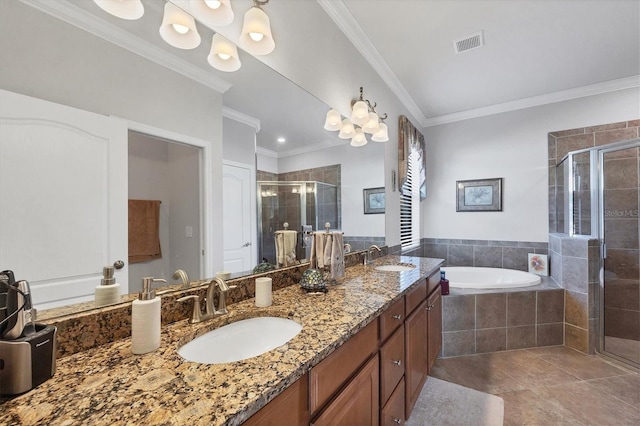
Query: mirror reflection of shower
x=305 y=206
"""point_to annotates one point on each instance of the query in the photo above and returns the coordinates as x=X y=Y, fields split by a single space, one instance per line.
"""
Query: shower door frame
x=601 y=151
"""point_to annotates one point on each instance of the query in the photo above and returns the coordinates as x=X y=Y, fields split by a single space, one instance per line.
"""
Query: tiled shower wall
x=574 y=261
x=574 y=264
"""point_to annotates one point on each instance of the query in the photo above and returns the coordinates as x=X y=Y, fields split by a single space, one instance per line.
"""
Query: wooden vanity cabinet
x=291 y=407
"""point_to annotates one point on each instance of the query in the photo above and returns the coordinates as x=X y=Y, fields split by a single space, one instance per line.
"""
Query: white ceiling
x=535 y=52
x=533 y=49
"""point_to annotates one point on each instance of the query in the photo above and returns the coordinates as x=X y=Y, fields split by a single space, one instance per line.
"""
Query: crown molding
x=241 y=118
x=266 y=152
x=67 y=12
x=340 y=14
x=549 y=98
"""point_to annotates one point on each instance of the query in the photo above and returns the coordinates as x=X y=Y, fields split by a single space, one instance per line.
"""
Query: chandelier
x=364 y=119
x=179 y=28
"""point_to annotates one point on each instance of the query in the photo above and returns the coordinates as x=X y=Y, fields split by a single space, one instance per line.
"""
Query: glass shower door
x=620 y=270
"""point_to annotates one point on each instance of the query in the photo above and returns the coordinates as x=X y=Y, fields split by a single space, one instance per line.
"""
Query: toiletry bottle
x=444 y=283
x=108 y=292
x=145 y=319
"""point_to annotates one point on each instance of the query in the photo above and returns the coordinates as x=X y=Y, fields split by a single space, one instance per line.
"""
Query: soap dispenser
x=145 y=319
x=108 y=292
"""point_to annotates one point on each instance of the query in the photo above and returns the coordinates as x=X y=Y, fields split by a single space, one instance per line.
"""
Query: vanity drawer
x=393 y=412
x=391 y=319
x=327 y=377
x=391 y=364
x=415 y=297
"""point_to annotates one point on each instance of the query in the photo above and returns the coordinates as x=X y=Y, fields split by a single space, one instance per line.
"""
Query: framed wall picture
x=479 y=195
x=374 y=200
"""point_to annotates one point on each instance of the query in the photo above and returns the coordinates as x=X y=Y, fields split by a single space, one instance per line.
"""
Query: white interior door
x=239 y=218
x=63 y=189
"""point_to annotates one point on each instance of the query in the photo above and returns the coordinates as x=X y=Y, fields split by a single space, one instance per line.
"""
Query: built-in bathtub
x=494 y=309
x=479 y=278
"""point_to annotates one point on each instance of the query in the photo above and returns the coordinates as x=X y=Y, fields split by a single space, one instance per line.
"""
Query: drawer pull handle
x=397 y=317
x=430 y=307
x=397 y=362
x=397 y=421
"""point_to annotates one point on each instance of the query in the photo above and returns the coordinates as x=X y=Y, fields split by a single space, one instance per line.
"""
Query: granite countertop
x=109 y=385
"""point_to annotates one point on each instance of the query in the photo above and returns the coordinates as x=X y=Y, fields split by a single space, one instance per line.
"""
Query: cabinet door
x=357 y=404
x=434 y=315
x=291 y=407
x=416 y=365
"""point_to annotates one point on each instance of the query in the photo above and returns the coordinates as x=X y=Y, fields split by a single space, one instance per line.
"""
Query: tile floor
x=550 y=386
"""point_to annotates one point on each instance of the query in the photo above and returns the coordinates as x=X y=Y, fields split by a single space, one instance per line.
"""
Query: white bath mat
x=444 y=403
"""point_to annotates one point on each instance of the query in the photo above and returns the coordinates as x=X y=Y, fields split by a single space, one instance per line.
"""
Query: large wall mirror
x=259 y=108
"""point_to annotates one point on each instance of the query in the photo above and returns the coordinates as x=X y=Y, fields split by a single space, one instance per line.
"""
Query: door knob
x=247 y=244
x=118 y=264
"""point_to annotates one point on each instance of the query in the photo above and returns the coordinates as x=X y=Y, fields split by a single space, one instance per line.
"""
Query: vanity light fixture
x=364 y=119
x=213 y=12
x=124 y=9
x=223 y=55
x=179 y=28
x=256 y=36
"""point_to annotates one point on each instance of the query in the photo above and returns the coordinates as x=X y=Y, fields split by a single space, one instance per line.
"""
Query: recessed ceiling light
x=281 y=140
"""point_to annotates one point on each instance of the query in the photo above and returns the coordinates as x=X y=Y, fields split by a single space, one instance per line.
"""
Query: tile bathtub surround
x=493 y=321
x=104 y=385
x=84 y=330
x=483 y=253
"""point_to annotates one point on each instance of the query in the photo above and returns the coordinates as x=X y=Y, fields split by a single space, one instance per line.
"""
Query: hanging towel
x=286 y=247
x=337 y=256
x=316 y=259
x=144 y=230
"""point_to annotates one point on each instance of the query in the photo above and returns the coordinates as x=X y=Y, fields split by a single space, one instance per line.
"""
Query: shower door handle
x=604 y=250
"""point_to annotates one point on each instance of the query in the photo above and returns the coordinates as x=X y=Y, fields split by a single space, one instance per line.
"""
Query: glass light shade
x=256 y=36
x=359 y=139
x=360 y=113
x=333 y=121
x=223 y=55
x=174 y=19
x=372 y=125
x=206 y=12
x=382 y=135
x=124 y=9
x=347 y=131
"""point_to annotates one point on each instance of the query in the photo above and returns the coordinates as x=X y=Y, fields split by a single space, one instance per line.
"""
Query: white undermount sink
x=396 y=268
x=240 y=340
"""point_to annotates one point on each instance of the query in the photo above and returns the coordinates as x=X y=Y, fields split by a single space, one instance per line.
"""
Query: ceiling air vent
x=469 y=42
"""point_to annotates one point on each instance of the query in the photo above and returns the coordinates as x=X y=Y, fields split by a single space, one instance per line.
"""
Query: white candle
x=263 y=292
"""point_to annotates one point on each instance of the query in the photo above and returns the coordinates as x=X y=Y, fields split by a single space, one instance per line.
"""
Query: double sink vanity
x=363 y=353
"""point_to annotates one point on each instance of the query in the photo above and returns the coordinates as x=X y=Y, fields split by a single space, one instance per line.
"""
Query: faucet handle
x=195 y=314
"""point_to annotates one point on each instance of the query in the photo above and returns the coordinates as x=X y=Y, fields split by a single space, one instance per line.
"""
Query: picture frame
x=374 y=200
x=479 y=195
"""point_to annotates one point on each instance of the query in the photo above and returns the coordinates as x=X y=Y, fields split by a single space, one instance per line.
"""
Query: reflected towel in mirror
x=286 y=247
x=144 y=230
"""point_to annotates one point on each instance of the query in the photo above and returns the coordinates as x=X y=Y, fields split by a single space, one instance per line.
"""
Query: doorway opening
x=167 y=171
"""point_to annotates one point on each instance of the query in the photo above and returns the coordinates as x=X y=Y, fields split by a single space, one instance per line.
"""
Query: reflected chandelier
x=364 y=119
x=179 y=28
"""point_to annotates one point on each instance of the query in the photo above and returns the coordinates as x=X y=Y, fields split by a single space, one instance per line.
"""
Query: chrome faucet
x=368 y=256
x=210 y=311
x=182 y=276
